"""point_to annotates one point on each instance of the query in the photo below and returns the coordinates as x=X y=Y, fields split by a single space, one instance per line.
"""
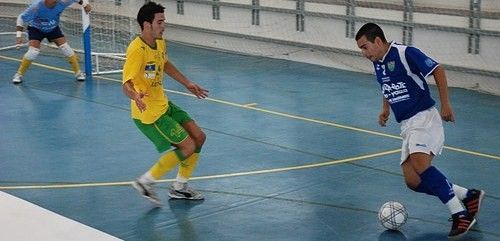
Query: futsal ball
x=392 y=215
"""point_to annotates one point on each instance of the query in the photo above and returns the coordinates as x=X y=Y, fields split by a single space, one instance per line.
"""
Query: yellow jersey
x=144 y=67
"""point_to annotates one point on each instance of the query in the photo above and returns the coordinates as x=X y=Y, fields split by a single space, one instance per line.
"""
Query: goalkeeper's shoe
x=80 y=76
x=17 y=79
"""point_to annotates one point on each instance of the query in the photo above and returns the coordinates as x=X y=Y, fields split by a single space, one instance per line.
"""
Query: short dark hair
x=371 y=31
x=148 y=11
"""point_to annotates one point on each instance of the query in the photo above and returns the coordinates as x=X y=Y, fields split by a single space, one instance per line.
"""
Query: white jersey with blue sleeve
x=401 y=74
x=45 y=19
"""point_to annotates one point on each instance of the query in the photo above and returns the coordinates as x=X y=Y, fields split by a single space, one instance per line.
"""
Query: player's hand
x=197 y=90
x=139 y=102
x=447 y=113
x=383 y=117
x=87 y=8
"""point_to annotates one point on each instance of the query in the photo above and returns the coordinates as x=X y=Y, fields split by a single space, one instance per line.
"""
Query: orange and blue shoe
x=462 y=223
x=473 y=201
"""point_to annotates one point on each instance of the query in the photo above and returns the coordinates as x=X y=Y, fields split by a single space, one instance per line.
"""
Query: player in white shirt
x=401 y=71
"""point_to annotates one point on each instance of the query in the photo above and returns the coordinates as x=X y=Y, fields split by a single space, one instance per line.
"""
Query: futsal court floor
x=293 y=152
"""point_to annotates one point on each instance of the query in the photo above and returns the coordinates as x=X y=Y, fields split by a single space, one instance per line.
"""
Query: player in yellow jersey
x=164 y=123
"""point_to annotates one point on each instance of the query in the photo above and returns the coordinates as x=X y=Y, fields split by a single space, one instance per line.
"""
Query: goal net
x=112 y=29
x=463 y=35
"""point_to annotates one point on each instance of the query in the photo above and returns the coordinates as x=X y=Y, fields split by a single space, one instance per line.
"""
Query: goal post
x=99 y=38
x=87 y=47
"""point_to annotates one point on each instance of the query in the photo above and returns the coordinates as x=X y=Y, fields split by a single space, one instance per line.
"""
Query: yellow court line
x=246 y=106
x=252 y=107
x=282 y=169
x=475 y=153
x=236 y=174
x=38 y=64
x=250 y=104
x=329 y=123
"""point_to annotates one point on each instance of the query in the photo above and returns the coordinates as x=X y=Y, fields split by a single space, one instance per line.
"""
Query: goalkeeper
x=42 y=18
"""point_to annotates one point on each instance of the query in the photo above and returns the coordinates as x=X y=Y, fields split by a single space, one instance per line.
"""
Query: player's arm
x=19 y=30
x=173 y=72
x=442 y=86
x=383 y=117
x=86 y=5
x=129 y=90
x=25 y=17
x=19 y=24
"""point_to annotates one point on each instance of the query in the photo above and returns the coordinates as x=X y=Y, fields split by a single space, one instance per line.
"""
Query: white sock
x=454 y=205
x=147 y=178
x=180 y=178
x=179 y=184
x=460 y=192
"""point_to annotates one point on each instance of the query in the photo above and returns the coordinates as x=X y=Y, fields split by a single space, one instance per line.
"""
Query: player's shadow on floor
x=151 y=226
x=474 y=234
x=470 y=236
x=181 y=210
x=145 y=229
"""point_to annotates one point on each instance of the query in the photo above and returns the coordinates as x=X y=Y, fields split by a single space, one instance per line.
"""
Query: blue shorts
x=36 y=34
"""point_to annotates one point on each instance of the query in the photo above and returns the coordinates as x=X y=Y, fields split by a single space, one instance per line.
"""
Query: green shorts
x=167 y=130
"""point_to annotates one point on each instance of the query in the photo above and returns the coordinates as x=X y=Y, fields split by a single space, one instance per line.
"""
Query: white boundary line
x=22 y=220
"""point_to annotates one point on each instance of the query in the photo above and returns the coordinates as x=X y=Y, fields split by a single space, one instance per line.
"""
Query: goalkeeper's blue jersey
x=401 y=74
x=45 y=19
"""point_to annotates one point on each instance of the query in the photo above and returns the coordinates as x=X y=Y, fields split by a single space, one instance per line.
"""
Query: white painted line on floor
x=21 y=220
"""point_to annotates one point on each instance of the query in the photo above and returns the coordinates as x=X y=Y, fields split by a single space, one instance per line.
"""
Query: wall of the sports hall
x=448 y=47
x=324 y=41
